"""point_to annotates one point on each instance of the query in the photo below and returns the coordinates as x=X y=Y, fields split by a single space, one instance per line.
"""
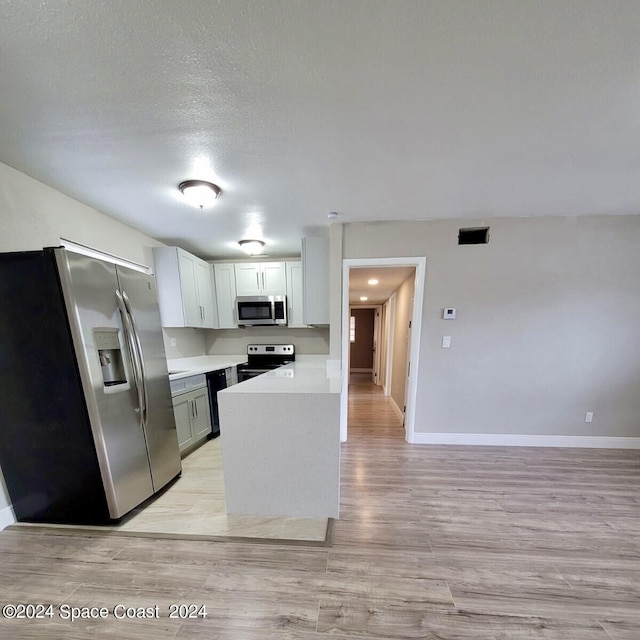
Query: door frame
x=420 y=265
x=390 y=339
x=376 y=334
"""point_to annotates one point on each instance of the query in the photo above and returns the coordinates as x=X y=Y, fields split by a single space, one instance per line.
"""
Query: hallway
x=370 y=412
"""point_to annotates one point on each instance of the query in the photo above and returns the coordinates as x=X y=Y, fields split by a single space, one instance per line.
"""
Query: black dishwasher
x=216 y=381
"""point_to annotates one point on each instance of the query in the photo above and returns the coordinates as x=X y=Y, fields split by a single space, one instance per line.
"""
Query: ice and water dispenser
x=107 y=343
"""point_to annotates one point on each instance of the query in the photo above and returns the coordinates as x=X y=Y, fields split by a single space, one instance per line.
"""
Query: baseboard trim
x=513 y=440
x=397 y=411
x=361 y=371
x=7 y=517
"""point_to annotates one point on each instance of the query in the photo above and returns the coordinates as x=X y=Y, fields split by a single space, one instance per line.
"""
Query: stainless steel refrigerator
x=87 y=430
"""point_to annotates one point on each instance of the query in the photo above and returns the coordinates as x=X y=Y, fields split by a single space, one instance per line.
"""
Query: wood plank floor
x=194 y=506
x=439 y=543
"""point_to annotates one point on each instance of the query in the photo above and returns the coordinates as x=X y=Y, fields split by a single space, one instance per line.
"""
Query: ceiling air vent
x=474 y=235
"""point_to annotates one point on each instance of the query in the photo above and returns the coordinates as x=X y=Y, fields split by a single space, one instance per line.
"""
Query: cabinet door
x=248 y=279
x=187 y=268
x=182 y=409
x=273 y=278
x=201 y=421
x=204 y=285
x=294 y=294
x=224 y=276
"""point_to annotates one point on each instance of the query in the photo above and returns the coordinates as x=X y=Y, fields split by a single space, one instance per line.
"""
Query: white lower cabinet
x=193 y=418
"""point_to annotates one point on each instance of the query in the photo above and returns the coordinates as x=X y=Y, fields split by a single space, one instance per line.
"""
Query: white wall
x=548 y=323
x=235 y=341
x=33 y=216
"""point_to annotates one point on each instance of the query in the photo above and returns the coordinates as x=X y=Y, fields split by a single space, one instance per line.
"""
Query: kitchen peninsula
x=281 y=441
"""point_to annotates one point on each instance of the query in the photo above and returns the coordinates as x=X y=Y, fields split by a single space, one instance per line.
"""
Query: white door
x=406 y=382
x=273 y=278
x=224 y=276
x=294 y=294
x=186 y=265
x=204 y=285
x=201 y=414
x=248 y=280
x=182 y=411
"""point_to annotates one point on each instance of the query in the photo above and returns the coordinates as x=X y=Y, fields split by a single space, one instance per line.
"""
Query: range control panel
x=270 y=349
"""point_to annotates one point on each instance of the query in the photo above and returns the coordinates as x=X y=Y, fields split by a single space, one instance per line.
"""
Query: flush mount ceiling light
x=251 y=247
x=199 y=193
x=373 y=281
x=363 y=298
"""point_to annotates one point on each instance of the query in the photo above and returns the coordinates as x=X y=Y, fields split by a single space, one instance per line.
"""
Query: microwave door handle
x=138 y=344
x=133 y=357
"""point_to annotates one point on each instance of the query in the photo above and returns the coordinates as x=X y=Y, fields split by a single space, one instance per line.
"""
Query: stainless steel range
x=262 y=358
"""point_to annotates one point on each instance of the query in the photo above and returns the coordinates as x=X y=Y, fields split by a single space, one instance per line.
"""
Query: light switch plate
x=446 y=342
x=449 y=313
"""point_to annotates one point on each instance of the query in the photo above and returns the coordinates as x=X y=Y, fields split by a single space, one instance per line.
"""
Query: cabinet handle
x=263 y=280
x=257 y=279
x=191 y=408
x=195 y=409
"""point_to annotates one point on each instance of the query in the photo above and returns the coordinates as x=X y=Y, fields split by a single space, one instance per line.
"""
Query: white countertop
x=201 y=364
x=308 y=374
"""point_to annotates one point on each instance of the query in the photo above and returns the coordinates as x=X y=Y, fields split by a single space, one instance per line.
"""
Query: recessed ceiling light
x=251 y=247
x=373 y=281
x=363 y=298
x=199 y=193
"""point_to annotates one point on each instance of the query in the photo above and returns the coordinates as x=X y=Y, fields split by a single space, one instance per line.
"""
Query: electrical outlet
x=174 y=342
x=589 y=416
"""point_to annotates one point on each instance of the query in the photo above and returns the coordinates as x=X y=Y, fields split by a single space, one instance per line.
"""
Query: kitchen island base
x=281 y=443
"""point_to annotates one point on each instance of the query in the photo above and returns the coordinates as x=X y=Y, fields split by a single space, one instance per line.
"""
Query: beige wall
x=33 y=216
x=235 y=341
x=404 y=294
x=189 y=342
x=548 y=323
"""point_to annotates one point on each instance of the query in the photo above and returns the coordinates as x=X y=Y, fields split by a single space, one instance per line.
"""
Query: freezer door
x=108 y=378
x=139 y=292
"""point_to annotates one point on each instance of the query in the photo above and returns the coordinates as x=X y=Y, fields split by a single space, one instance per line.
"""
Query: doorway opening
x=382 y=313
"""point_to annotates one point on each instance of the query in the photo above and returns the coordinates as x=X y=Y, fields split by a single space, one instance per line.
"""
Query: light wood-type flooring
x=434 y=542
x=194 y=506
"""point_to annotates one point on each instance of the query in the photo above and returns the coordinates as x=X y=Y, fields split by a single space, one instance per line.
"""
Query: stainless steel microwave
x=261 y=310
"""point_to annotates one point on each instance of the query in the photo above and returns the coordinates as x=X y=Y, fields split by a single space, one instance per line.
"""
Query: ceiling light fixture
x=251 y=247
x=373 y=281
x=363 y=298
x=199 y=193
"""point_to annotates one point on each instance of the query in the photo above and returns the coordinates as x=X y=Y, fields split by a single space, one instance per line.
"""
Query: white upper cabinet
x=294 y=294
x=315 y=273
x=205 y=294
x=260 y=278
x=224 y=275
x=185 y=289
x=248 y=279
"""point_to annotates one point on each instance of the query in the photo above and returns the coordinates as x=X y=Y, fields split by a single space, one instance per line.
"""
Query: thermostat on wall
x=449 y=314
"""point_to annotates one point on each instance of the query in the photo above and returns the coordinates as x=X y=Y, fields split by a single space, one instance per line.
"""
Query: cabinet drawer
x=188 y=384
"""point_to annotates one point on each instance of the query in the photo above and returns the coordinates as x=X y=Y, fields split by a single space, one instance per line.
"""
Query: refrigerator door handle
x=138 y=345
x=133 y=354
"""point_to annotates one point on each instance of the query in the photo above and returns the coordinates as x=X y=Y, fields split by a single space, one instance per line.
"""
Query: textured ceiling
x=377 y=109
x=389 y=279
